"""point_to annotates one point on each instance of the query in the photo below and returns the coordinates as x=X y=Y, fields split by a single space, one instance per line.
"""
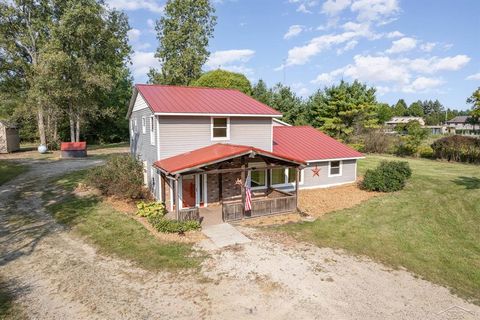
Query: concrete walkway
x=222 y=235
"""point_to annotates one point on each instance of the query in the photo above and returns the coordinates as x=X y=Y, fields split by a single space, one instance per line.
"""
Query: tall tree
x=288 y=103
x=384 y=112
x=400 y=108
x=474 y=115
x=434 y=112
x=183 y=31
x=261 y=93
x=344 y=109
x=224 y=79
x=24 y=31
x=415 y=109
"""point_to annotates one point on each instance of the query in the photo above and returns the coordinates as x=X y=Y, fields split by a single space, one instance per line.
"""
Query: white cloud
x=436 y=64
x=304 y=6
x=333 y=7
x=293 y=31
x=475 y=76
x=349 y=46
x=394 y=34
x=405 y=75
x=226 y=57
x=402 y=45
x=132 y=5
x=372 y=10
x=428 y=46
x=142 y=61
x=151 y=23
x=134 y=34
x=422 y=84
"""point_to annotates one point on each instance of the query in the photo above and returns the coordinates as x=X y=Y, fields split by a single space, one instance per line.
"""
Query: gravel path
x=56 y=275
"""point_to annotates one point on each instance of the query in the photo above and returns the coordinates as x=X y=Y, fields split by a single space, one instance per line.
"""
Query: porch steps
x=223 y=235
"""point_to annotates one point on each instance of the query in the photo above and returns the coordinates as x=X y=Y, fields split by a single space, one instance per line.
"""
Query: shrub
x=457 y=148
x=121 y=176
x=164 y=225
x=151 y=209
x=389 y=176
x=410 y=143
x=377 y=141
x=425 y=152
x=357 y=146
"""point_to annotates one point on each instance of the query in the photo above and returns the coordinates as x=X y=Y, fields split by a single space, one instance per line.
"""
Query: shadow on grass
x=8 y=291
x=470 y=183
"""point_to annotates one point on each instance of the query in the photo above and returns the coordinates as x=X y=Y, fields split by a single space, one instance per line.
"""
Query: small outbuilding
x=9 y=138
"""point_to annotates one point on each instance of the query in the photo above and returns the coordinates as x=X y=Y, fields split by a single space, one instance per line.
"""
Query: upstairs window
x=335 y=168
x=220 y=128
x=152 y=130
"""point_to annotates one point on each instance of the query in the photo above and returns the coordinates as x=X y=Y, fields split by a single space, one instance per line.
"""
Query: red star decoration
x=316 y=171
x=239 y=182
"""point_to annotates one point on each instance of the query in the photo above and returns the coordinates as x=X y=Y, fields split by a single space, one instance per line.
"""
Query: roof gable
x=182 y=100
x=309 y=144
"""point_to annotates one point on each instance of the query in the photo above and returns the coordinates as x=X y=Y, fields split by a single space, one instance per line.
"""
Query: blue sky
x=426 y=49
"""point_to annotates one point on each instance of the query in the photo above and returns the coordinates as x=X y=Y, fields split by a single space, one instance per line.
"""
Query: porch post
x=177 y=200
x=242 y=187
x=297 y=177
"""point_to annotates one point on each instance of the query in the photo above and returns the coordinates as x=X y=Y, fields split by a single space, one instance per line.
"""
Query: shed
x=9 y=138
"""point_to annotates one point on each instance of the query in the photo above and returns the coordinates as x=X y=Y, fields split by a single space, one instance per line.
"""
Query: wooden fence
x=189 y=214
x=260 y=207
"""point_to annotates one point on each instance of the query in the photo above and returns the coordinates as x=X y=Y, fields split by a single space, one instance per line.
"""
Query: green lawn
x=432 y=227
x=9 y=170
x=114 y=232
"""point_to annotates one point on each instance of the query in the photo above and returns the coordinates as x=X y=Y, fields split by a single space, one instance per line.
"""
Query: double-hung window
x=144 y=125
x=335 y=168
x=152 y=130
x=220 y=128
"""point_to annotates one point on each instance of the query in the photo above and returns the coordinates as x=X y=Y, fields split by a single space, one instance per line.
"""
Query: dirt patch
x=317 y=202
x=271 y=220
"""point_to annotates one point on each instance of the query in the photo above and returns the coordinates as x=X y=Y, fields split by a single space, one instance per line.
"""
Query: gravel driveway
x=56 y=275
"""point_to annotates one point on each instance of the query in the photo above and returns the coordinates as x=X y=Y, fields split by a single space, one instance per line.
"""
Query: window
x=285 y=176
x=278 y=176
x=335 y=168
x=152 y=130
x=220 y=128
x=258 y=178
x=144 y=125
x=132 y=127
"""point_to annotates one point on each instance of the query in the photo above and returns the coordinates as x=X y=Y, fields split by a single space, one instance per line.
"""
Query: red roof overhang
x=310 y=144
x=213 y=154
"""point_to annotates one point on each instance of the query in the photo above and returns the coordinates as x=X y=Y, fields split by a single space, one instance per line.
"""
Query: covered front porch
x=209 y=183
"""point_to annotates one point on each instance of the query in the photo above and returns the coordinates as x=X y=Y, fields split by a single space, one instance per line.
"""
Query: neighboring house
x=9 y=139
x=199 y=146
x=460 y=125
x=392 y=123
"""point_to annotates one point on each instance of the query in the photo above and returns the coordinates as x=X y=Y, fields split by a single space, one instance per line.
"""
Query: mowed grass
x=432 y=227
x=116 y=233
x=9 y=170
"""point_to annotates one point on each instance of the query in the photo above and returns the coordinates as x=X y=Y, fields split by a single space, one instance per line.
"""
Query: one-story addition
x=206 y=152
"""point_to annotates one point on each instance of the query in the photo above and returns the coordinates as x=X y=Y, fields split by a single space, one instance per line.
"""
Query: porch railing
x=260 y=207
x=189 y=214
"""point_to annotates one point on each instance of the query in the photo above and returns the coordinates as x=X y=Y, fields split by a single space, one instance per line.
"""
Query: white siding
x=140 y=103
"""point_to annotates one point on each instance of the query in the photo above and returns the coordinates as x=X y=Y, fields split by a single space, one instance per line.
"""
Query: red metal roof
x=213 y=154
x=179 y=99
x=73 y=146
x=308 y=143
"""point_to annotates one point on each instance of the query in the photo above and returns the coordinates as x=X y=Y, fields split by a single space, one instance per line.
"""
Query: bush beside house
x=389 y=176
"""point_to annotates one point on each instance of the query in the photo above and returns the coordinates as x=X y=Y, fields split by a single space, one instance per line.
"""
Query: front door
x=188 y=191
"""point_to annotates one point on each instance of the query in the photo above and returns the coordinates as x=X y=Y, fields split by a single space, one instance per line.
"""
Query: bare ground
x=56 y=275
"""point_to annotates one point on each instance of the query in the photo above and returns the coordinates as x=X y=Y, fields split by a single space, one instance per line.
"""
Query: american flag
x=248 y=193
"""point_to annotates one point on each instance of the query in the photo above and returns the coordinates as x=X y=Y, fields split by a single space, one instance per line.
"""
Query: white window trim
x=135 y=128
x=228 y=129
x=286 y=183
x=144 y=125
x=260 y=187
x=152 y=130
x=330 y=166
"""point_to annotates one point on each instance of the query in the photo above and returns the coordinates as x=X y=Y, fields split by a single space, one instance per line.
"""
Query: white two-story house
x=200 y=146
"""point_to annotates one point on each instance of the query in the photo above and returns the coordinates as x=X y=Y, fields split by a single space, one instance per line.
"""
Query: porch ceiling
x=217 y=153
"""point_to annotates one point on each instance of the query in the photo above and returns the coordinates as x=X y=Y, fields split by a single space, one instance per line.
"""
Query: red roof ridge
x=185 y=86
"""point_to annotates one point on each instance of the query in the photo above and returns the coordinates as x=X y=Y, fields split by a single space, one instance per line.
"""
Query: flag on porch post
x=248 y=195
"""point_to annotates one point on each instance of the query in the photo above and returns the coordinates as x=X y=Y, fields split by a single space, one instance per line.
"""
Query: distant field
x=432 y=227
